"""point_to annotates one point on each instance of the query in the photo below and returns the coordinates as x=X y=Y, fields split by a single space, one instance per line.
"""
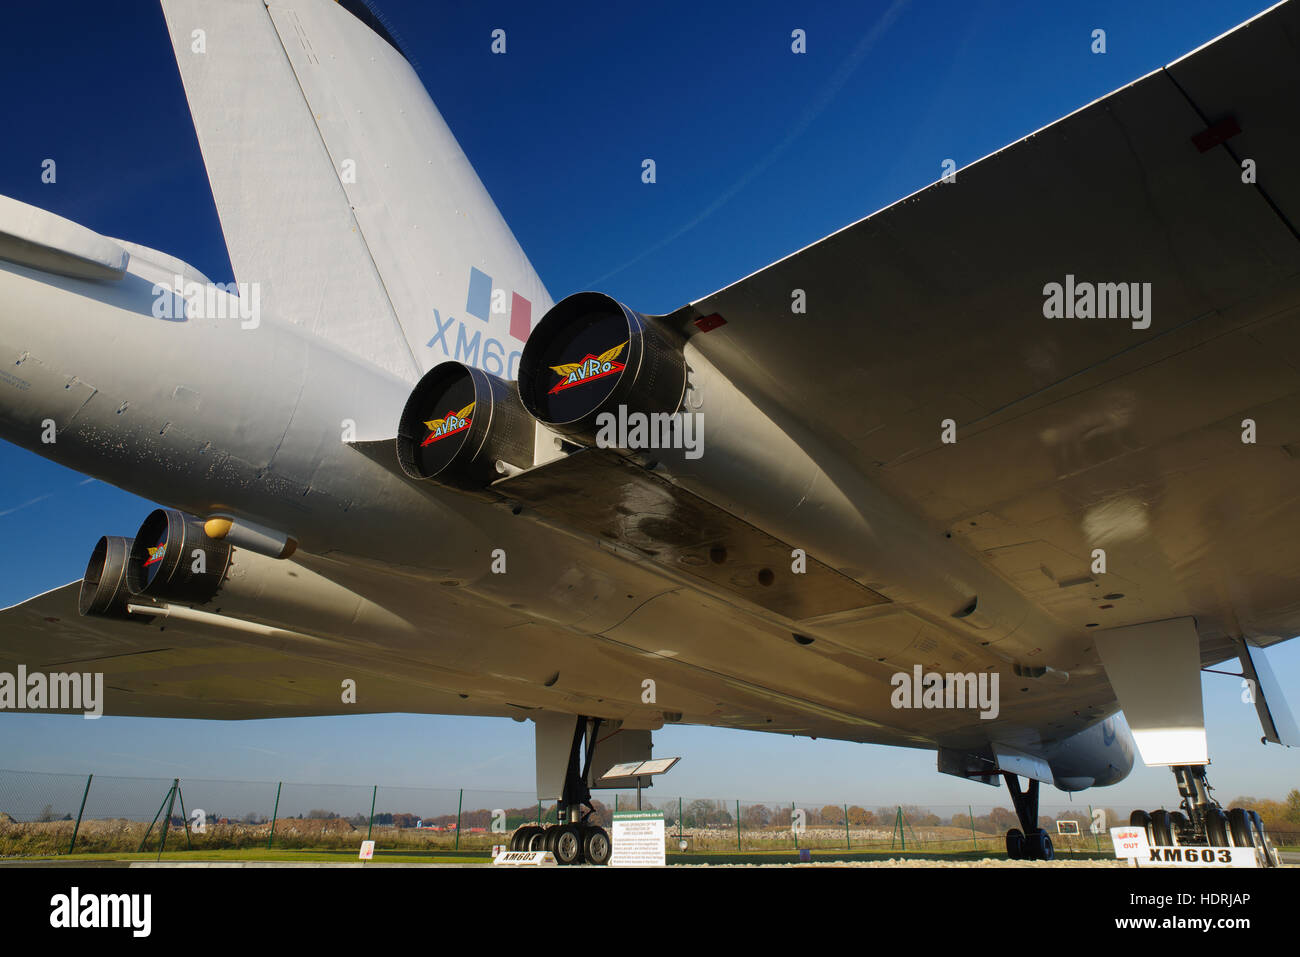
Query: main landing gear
x=1202 y=821
x=573 y=840
x=1029 y=842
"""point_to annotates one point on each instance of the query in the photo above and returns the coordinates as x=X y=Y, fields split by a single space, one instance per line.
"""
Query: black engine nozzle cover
x=103 y=588
x=458 y=423
x=591 y=354
x=173 y=559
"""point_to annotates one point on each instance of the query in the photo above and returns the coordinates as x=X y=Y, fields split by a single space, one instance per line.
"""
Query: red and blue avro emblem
x=589 y=369
x=156 y=553
x=449 y=424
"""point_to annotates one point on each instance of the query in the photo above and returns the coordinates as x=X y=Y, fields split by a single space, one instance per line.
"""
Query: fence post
x=171 y=802
x=460 y=801
x=971 y=811
x=916 y=841
x=185 y=818
x=371 y=826
x=792 y=828
x=679 y=822
x=275 y=814
x=737 y=825
x=149 y=829
x=76 y=827
x=848 y=841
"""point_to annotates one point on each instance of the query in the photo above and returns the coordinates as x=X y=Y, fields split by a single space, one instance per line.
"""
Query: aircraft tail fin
x=340 y=189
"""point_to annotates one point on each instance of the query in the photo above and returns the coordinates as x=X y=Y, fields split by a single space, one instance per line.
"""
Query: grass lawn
x=262 y=854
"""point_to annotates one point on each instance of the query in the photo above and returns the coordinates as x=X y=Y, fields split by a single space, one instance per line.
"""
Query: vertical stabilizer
x=342 y=192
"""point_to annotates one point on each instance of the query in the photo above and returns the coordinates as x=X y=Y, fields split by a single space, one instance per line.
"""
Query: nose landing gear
x=1032 y=843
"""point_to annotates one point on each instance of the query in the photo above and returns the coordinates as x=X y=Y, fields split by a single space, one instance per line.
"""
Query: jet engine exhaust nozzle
x=591 y=355
x=174 y=559
x=104 y=593
x=459 y=423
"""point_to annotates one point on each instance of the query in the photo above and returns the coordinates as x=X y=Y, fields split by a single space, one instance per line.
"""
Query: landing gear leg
x=575 y=840
x=1028 y=842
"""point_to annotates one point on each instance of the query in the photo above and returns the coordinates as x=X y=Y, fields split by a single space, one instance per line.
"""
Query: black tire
x=1262 y=842
x=1256 y=827
x=1143 y=820
x=596 y=847
x=1270 y=855
x=1043 y=850
x=538 y=843
x=1216 y=827
x=567 y=844
x=519 y=840
x=1162 y=832
x=1178 y=826
x=1015 y=844
x=1239 y=828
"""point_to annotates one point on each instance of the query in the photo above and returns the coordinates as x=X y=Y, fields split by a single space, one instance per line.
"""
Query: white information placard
x=1129 y=841
x=526 y=859
x=1198 y=857
x=367 y=850
x=637 y=839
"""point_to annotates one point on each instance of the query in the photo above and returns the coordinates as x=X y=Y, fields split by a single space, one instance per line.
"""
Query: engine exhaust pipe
x=592 y=355
x=174 y=559
x=464 y=428
x=104 y=592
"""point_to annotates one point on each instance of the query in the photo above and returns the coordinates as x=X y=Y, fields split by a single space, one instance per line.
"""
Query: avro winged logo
x=591 y=367
x=451 y=423
x=156 y=553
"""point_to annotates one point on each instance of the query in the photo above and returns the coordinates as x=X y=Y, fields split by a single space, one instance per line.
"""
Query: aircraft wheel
x=1015 y=844
x=1270 y=854
x=595 y=846
x=1162 y=832
x=1178 y=826
x=1042 y=846
x=548 y=840
x=1216 y=827
x=567 y=844
x=538 y=840
x=1239 y=827
x=1143 y=820
x=519 y=841
x=1263 y=843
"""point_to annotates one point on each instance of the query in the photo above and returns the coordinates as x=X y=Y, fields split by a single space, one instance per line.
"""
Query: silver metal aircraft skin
x=372 y=252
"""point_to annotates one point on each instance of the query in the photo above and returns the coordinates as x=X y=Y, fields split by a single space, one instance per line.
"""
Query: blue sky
x=758 y=151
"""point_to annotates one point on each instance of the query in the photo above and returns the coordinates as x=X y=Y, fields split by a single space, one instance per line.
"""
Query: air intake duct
x=590 y=355
x=103 y=588
x=464 y=428
x=173 y=559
